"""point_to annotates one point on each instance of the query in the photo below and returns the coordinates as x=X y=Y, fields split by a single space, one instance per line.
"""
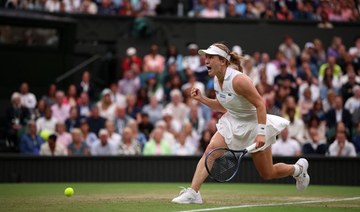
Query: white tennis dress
x=239 y=124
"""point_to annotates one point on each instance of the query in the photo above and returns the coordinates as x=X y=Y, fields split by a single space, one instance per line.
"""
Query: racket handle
x=251 y=147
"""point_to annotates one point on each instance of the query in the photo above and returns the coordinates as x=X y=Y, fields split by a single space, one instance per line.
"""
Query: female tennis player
x=245 y=121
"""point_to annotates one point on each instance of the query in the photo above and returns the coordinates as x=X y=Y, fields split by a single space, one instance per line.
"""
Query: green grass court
x=157 y=197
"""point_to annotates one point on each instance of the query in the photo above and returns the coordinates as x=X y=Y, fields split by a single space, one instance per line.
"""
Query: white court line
x=273 y=204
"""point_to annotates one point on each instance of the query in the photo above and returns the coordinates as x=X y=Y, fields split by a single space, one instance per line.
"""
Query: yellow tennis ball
x=69 y=192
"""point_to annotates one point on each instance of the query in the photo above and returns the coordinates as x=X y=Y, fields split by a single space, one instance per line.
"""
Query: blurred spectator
x=145 y=126
x=192 y=136
x=157 y=145
x=74 y=119
x=53 y=5
x=72 y=6
x=173 y=125
x=121 y=119
x=50 y=98
x=304 y=11
x=60 y=110
x=71 y=96
x=30 y=142
x=114 y=137
x=116 y=97
x=129 y=84
x=315 y=122
x=356 y=138
x=139 y=136
x=174 y=57
x=314 y=146
x=153 y=109
x=131 y=108
x=329 y=102
x=333 y=69
x=86 y=85
x=191 y=61
x=210 y=11
x=182 y=146
x=52 y=148
x=285 y=146
x=154 y=87
x=268 y=69
x=289 y=47
x=296 y=128
x=39 y=111
x=154 y=62
x=204 y=141
x=333 y=49
x=319 y=52
x=77 y=147
x=89 y=138
x=28 y=99
x=347 y=88
x=271 y=108
x=231 y=10
x=305 y=104
x=284 y=13
x=16 y=118
x=338 y=114
x=178 y=109
x=47 y=122
x=353 y=102
x=341 y=146
x=195 y=118
x=324 y=21
x=283 y=76
x=103 y=147
x=250 y=70
x=88 y=7
x=107 y=7
x=127 y=9
x=129 y=145
x=317 y=110
x=199 y=5
x=105 y=105
x=240 y=7
x=146 y=9
x=95 y=121
x=84 y=105
x=63 y=137
x=354 y=51
x=131 y=58
x=167 y=135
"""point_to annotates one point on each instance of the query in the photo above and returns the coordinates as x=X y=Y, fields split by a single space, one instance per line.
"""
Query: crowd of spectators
x=315 y=10
x=148 y=111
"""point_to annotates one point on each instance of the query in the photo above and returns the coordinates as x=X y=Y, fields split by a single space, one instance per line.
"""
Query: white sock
x=297 y=170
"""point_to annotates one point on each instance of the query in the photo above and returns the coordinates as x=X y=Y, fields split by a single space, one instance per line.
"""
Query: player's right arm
x=212 y=103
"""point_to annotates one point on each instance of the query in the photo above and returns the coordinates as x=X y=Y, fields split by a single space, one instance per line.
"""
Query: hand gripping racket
x=222 y=164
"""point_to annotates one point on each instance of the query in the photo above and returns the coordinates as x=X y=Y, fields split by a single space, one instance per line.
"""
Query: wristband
x=261 y=129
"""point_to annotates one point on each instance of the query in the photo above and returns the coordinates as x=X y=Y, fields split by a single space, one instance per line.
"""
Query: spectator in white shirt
x=178 y=108
x=28 y=99
x=341 y=146
x=47 y=122
x=192 y=61
x=52 y=148
x=285 y=146
x=353 y=102
x=210 y=11
x=60 y=110
x=106 y=106
x=182 y=146
x=114 y=137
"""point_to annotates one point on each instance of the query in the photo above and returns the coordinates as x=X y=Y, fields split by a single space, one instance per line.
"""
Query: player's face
x=212 y=63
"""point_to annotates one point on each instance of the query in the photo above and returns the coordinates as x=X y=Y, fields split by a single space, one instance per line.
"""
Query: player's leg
x=264 y=164
x=192 y=195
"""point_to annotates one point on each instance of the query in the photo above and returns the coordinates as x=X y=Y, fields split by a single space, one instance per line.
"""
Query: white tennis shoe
x=303 y=179
x=188 y=196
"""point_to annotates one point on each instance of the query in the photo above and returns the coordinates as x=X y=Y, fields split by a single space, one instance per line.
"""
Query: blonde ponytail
x=236 y=60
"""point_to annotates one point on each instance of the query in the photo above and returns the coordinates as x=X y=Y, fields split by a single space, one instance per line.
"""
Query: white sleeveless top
x=237 y=105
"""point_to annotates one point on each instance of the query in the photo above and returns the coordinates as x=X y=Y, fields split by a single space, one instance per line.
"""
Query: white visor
x=214 y=50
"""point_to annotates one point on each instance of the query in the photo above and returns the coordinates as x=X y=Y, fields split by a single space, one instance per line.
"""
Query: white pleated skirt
x=240 y=133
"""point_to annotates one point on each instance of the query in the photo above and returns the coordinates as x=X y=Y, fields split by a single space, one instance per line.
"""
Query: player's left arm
x=244 y=87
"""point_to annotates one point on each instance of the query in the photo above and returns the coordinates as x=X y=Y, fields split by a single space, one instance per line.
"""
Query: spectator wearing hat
x=95 y=121
x=52 y=148
x=157 y=145
x=103 y=147
x=106 y=106
x=30 y=142
x=191 y=61
x=154 y=62
x=131 y=58
x=86 y=85
x=77 y=147
x=16 y=118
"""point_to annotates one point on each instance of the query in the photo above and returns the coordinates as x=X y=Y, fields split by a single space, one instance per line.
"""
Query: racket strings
x=225 y=166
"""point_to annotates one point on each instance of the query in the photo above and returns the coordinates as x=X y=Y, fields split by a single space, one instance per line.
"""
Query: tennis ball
x=69 y=192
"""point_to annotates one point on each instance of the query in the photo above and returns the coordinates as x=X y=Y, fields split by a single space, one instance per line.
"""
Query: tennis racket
x=222 y=164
